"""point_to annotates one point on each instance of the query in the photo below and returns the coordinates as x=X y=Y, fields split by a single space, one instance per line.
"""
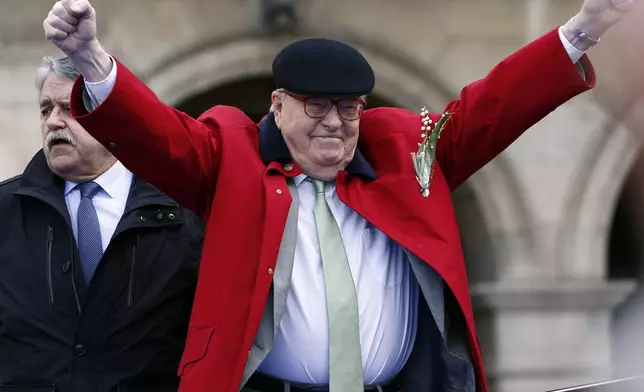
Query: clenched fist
x=71 y=26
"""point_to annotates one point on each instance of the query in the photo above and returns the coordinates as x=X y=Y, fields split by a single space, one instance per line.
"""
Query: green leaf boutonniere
x=424 y=158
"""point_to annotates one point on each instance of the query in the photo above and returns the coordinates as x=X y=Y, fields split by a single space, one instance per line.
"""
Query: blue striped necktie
x=90 y=245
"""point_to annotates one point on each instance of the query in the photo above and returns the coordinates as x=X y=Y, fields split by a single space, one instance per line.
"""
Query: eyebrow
x=47 y=101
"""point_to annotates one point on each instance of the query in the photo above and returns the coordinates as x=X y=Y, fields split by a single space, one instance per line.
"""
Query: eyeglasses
x=317 y=107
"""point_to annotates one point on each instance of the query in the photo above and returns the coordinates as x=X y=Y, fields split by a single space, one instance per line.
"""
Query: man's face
x=321 y=146
x=70 y=151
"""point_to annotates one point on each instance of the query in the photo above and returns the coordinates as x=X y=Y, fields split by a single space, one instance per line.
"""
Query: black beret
x=323 y=67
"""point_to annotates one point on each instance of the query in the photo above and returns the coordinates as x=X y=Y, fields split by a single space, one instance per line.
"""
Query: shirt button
x=270 y=271
x=67 y=266
x=279 y=191
x=79 y=350
x=288 y=167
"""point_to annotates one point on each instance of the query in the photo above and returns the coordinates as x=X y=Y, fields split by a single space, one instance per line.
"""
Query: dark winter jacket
x=126 y=331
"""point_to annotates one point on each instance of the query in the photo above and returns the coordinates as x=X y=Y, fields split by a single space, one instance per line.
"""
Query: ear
x=276 y=102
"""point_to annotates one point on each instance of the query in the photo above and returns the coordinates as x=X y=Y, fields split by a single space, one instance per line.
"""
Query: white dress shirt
x=387 y=292
x=574 y=53
x=109 y=201
x=387 y=298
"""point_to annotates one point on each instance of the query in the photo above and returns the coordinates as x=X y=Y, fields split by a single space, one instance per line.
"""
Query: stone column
x=541 y=335
x=535 y=13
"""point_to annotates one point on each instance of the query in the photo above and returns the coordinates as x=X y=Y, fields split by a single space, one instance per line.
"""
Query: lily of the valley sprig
x=425 y=156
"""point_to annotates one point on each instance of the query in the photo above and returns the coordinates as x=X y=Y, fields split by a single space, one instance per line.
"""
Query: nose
x=332 y=120
x=55 y=120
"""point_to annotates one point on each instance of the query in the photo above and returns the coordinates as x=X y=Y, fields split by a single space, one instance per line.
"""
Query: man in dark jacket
x=97 y=268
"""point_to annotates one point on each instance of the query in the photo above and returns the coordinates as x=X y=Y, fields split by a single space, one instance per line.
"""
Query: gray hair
x=281 y=90
x=58 y=66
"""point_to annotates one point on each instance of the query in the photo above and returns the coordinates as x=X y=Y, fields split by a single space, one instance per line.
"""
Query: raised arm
x=525 y=87
x=493 y=112
x=168 y=148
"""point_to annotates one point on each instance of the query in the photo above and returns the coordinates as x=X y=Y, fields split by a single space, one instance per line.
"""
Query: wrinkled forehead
x=337 y=98
x=56 y=90
x=333 y=97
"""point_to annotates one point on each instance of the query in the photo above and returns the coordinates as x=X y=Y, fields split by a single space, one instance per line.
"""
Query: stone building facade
x=536 y=222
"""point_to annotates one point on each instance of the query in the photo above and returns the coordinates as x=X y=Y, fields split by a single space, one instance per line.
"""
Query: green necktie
x=345 y=355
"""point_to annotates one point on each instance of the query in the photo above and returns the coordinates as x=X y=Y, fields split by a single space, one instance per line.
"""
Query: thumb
x=81 y=9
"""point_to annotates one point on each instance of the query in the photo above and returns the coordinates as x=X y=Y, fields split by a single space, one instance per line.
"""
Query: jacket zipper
x=73 y=274
x=50 y=283
x=130 y=293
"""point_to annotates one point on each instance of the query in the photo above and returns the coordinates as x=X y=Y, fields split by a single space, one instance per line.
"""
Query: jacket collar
x=272 y=147
x=38 y=180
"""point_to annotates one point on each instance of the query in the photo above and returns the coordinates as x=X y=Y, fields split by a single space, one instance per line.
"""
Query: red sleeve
x=174 y=152
x=493 y=112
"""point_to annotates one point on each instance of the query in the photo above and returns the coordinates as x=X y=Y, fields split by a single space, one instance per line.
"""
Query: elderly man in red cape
x=332 y=259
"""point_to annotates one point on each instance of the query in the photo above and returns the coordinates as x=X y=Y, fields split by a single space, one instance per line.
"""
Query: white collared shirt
x=387 y=298
x=109 y=202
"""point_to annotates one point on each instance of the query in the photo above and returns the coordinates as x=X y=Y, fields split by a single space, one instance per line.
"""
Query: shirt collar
x=272 y=147
x=115 y=181
x=299 y=179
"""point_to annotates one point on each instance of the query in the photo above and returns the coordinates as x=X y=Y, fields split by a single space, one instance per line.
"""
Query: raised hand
x=71 y=26
x=597 y=16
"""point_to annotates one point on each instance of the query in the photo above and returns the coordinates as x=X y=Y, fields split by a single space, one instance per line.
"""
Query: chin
x=61 y=163
x=330 y=158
